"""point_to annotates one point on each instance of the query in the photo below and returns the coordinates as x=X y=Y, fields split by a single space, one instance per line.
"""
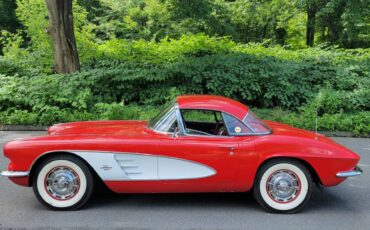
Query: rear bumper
x=355 y=172
x=15 y=173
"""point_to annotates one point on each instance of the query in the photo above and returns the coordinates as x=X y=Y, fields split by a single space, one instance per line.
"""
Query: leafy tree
x=345 y=22
x=257 y=20
x=311 y=9
x=62 y=32
x=8 y=19
x=341 y=22
x=38 y=52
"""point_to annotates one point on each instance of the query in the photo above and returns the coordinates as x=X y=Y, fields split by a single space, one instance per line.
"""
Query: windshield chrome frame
x=170 y=111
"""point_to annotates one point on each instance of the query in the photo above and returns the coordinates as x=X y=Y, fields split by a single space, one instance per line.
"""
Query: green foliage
x=334 y=83
x=344 y=22
x=358 y=122
x=32 y=48
x=138 y=54
x=264 y=20
x=8 y=19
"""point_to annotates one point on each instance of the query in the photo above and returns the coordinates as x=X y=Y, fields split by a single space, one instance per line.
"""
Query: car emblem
x=106 y=167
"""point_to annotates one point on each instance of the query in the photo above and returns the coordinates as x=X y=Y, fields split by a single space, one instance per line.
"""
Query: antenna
x=316 y=122
x=318 y=103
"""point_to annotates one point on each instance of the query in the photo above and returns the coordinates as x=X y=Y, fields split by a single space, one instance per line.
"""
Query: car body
x=200 y=143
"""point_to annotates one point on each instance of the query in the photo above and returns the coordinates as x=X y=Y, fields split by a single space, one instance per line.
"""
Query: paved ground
x=346 y=206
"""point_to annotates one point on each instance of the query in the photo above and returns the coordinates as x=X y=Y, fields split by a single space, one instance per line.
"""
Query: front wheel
x=63 y=183
x=283 y=186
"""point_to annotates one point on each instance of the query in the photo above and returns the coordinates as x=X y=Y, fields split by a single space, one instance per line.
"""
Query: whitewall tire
x=63 y=182
x=283 y=186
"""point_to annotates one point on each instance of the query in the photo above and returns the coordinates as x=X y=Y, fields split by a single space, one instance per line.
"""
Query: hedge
x=334 y=83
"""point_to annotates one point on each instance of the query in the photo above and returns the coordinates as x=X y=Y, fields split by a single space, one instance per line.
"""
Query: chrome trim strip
x=355 y=172
x=76 y=152
x=96 y=159
x=15 y=173
x=180 y=122
x=245 y=116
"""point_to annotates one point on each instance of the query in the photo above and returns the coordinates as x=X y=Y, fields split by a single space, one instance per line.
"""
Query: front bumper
x=355 y=172
x=15 y=173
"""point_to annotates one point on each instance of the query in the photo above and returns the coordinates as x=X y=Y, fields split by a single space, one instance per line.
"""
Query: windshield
x=165 y=121
x=255 y=123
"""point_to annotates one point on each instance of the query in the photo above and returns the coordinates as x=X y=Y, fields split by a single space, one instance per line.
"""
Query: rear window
x=256 y=124
x=234 y=126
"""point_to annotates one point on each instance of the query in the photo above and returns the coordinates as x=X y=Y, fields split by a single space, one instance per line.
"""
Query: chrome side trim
x=15 y=173
x=108 y=165
x=355 y=172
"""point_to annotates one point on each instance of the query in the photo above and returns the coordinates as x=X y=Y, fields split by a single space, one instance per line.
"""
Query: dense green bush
x=148 y=73
x=357 y=123
x=335 y=83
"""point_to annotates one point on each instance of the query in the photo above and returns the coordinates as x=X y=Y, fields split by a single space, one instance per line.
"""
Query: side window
x=192 y=115
x=235 y=126
x=202 y=122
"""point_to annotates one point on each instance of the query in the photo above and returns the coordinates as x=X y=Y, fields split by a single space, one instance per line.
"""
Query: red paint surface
x=209 y=102
x=234 y=173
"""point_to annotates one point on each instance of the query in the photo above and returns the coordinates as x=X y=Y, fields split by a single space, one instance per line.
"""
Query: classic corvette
x=199 y=143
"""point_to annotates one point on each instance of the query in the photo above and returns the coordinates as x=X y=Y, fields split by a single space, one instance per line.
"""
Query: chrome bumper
x=15 y=173
x=355 y=172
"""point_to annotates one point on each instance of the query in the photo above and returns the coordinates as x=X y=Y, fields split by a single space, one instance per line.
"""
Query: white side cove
x=135 y=166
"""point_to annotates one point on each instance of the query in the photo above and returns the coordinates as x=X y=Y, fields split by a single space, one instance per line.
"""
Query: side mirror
x=175 y=134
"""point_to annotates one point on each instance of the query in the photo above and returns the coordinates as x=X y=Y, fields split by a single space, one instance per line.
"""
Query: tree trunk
x=62 y=34
x=310 y=28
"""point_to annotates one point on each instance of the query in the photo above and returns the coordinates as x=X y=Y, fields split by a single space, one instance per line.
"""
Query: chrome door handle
x=231 y=148
x=227 y=147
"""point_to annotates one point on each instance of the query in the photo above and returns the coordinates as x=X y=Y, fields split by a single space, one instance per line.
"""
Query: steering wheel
x=222 y=131
x=217 y=127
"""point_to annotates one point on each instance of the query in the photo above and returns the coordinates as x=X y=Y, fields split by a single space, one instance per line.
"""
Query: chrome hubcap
x=283 y=186
x=62 y=183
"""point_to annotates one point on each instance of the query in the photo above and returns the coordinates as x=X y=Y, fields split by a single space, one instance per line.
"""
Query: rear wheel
x=63 y=182
x=283 y=186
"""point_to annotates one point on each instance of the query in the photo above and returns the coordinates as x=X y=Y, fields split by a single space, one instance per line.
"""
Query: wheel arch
x=47 y=155
x=310 y=168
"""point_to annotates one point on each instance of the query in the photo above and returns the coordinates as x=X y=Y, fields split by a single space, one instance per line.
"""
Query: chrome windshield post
x=176 y=133
x=180 y=122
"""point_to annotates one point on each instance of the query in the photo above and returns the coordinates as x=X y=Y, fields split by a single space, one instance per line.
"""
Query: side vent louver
x=137 y=166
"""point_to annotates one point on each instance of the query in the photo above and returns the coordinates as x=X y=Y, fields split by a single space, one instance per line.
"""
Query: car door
x=204 y=161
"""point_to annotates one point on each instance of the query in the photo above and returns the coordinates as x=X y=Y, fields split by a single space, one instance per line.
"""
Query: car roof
x=211 y=102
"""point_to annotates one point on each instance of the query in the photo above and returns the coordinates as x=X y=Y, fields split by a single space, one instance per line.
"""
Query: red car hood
x=125 y=128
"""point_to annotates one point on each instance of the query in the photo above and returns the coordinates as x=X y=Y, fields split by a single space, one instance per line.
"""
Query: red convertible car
x=199 y=143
